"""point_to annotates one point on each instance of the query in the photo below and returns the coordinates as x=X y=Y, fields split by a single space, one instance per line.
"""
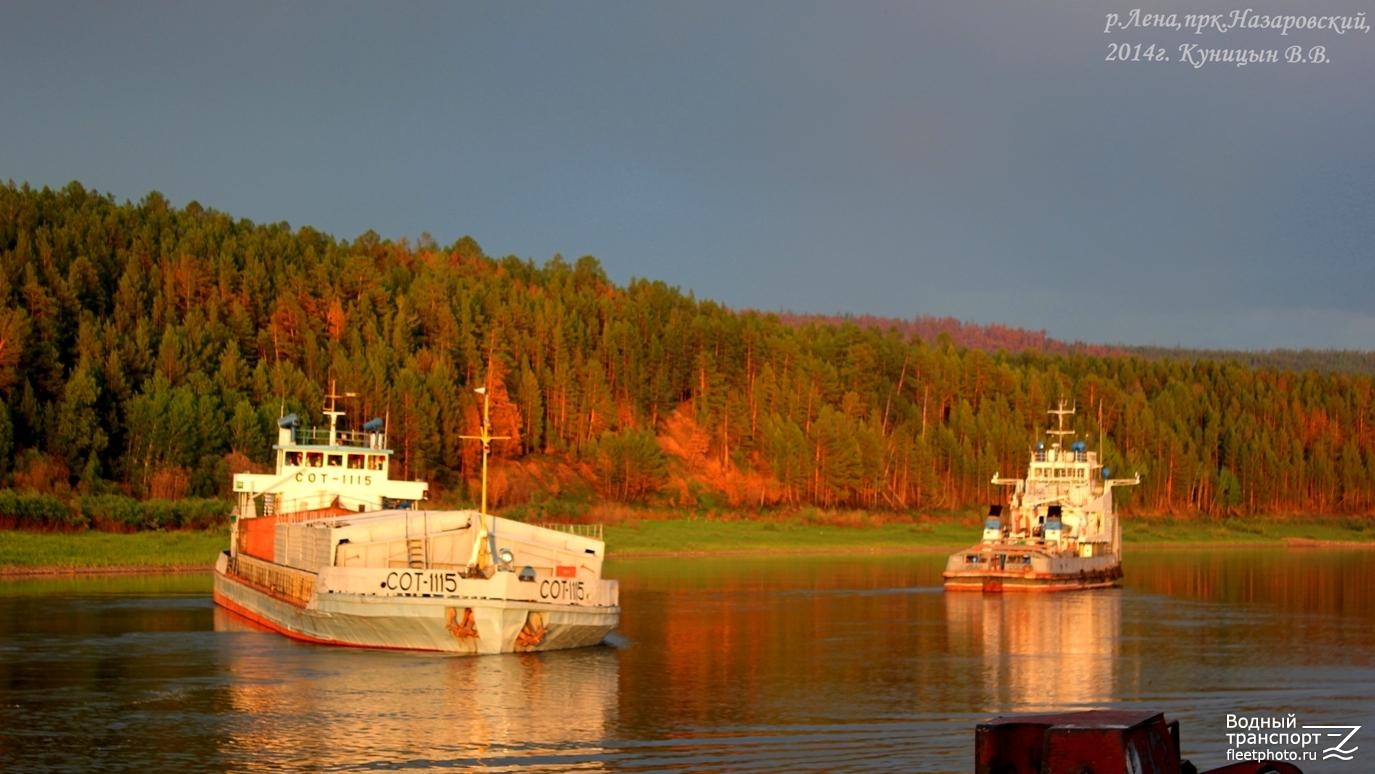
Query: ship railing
x=294 y=584
x=309 y=508
x=349 y=438
x=593 y=531
x=313 y=514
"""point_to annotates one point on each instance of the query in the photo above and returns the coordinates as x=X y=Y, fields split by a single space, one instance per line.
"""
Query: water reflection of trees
x=1340 y=582
x=801 y=640
x=728 y=643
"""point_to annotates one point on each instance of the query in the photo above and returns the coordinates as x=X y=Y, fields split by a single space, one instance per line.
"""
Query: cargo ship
x=330 y=549
x=1060 y=531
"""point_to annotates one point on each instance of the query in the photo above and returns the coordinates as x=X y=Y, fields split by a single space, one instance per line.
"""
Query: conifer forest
x=148 y=350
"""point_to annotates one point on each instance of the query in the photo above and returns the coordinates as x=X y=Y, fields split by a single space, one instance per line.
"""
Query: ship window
x=376 y=461
x=315 y=459
x=356 y=461
x=335 y=460
x=293 y=458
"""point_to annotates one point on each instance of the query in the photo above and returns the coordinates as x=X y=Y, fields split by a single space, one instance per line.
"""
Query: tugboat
x=330 y=549
x=1060 y=533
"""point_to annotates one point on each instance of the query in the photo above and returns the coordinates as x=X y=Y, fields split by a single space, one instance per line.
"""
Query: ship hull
x=999 y=583
x=1006 y=569
x=448 y=624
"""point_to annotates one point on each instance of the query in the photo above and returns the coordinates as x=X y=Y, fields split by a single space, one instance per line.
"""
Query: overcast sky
x=979 y=160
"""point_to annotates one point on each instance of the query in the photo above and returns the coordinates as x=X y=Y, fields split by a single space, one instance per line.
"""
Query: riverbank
x=57 y=553
x=1250 y=530
x=692 y=537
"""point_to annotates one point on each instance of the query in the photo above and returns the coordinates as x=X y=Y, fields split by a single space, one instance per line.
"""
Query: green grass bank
x=1249 y=530
x=57 y=552
x=704 y=535
x=24 y=552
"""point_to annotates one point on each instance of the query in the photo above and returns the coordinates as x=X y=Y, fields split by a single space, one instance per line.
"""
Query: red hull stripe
x=1004 y=587
x=237 y=609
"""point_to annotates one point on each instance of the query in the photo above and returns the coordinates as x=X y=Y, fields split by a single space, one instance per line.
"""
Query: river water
x=780 y=663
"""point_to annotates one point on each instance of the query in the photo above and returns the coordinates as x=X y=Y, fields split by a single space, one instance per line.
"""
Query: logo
x=1338 y=750
x=1283 y=739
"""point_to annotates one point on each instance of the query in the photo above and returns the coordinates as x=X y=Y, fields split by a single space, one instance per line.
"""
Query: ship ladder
x=415 y=553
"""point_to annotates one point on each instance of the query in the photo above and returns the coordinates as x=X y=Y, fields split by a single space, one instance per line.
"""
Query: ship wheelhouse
x=330 y=469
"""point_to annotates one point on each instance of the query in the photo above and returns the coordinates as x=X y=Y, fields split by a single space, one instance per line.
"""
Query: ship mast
x=486 y=438
x=332 y=411
x=1060 y=414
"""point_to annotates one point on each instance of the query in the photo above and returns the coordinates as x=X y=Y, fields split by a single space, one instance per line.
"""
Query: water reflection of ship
x=1040 y=652
x=344 y=708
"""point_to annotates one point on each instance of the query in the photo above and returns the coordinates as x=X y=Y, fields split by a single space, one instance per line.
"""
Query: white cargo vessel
x=330 y=549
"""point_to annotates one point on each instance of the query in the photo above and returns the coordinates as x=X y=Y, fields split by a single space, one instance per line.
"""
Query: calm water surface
x=772 y=664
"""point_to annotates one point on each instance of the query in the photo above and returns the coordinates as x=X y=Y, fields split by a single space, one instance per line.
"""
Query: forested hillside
x=1002 y=338
x=990 y=338
x=148 y=350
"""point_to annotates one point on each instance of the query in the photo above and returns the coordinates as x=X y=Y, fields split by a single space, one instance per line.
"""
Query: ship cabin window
x=376 y=461
x=293 y=458
x=335 y=460
x=315 y=459
x=355 y=462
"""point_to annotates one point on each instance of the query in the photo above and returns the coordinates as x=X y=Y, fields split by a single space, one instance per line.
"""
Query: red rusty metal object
x=1094 y=742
